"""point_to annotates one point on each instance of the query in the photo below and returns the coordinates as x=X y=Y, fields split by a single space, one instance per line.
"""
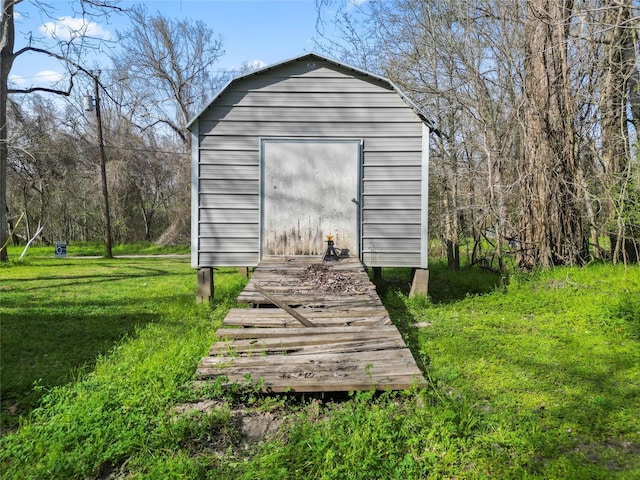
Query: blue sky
x=262 y=31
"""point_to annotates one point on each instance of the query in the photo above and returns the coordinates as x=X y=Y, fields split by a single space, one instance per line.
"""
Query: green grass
x=537 y=377
x=110 y=346
x=92 y=249
x=59 y=316
x=553 y=364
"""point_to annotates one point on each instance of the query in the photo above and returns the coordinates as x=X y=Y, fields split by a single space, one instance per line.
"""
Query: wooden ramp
x=352 y=344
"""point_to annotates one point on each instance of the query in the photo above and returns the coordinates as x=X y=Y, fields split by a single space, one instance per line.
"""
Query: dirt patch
x=250 y=426
x=205 y=406
x=616 y=454
x=422 y=324
x=244 y=429
x=256 y=426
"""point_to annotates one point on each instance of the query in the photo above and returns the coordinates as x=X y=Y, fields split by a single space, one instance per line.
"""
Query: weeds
x=540 y=380
x=625 y=314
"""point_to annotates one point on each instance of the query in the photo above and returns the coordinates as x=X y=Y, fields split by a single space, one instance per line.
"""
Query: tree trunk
x=619 y=78
x=551 y=226
x=612 y=90
x=451 y=228
x=7 y=40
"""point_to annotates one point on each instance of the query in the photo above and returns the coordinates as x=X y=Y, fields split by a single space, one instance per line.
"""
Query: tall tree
x=168 y=67
x=68 y=51
x=534 y=100
x=7 y=42
x=618 y=86
x=40 y=157
x=460 y=61
x=551 y=220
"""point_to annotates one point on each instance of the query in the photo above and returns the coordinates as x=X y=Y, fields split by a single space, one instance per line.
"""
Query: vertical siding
x=300 y=100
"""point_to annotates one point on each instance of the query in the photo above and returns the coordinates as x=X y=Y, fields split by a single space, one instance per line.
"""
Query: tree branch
x=55 y=91
x=57 y=56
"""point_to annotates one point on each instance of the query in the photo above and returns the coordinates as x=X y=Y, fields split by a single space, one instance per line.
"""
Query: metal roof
x=317 y=56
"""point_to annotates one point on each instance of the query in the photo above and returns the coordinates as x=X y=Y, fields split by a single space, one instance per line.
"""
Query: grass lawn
x=89 y=249
x=59 y=316
x=535 y=377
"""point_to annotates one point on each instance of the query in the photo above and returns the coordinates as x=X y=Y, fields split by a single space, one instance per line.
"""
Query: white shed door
x=310 y=189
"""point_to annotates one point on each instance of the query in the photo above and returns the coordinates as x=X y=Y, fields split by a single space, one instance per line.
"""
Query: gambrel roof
x=315 y=57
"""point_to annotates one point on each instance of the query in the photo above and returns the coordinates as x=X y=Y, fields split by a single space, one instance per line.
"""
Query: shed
x=309 y=147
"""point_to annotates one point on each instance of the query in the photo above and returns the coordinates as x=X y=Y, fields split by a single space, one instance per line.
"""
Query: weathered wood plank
x=283 y=376
x=295 y=288
x=290 y=347
x=318 y=333
x=355 y=312
x=277 y=384
x=334 y=360
x=313 y=302
x=347 y=371
x=238 y=313
x=344 y=364
x=329 y=337
x=285 y=343
x=295 y=314
x=272 y=317
x=354 y=347
x=278 y=322
x=320 y=374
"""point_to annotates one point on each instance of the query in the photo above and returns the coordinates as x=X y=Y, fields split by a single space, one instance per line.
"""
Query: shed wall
x=298 y=101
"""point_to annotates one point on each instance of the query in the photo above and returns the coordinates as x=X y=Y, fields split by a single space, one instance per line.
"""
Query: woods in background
x=162 y=71
x=536 y=105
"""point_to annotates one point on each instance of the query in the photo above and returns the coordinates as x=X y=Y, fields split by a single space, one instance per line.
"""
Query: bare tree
x=7 y=41
x=51 y=177
x=460 y=61
x=69 y=52
x=618 y=87
x=530 y=98
x=167 y=66
x=34 y=162
x=141 y=178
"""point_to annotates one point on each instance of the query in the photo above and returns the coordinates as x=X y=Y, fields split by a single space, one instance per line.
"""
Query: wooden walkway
x=351 y=345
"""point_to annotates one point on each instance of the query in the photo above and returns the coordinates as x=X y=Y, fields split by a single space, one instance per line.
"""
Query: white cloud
x=69 y=28
x=49 y=76
x=42 y=78
x=17 y=80
x=256 y=64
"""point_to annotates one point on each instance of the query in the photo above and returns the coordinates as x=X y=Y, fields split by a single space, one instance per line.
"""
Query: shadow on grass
x=73 y=280
x=588 y=422
x=42 y=350
x=584 y=424
x=445 y=286
x=449 y=286
x=393 y=289
x=54 y=328
x=50 y=340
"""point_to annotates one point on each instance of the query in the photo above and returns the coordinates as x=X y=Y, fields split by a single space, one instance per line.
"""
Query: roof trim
x=393 y=86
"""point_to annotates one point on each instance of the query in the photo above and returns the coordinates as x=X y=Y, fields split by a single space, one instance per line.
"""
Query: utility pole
x=106 y=216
